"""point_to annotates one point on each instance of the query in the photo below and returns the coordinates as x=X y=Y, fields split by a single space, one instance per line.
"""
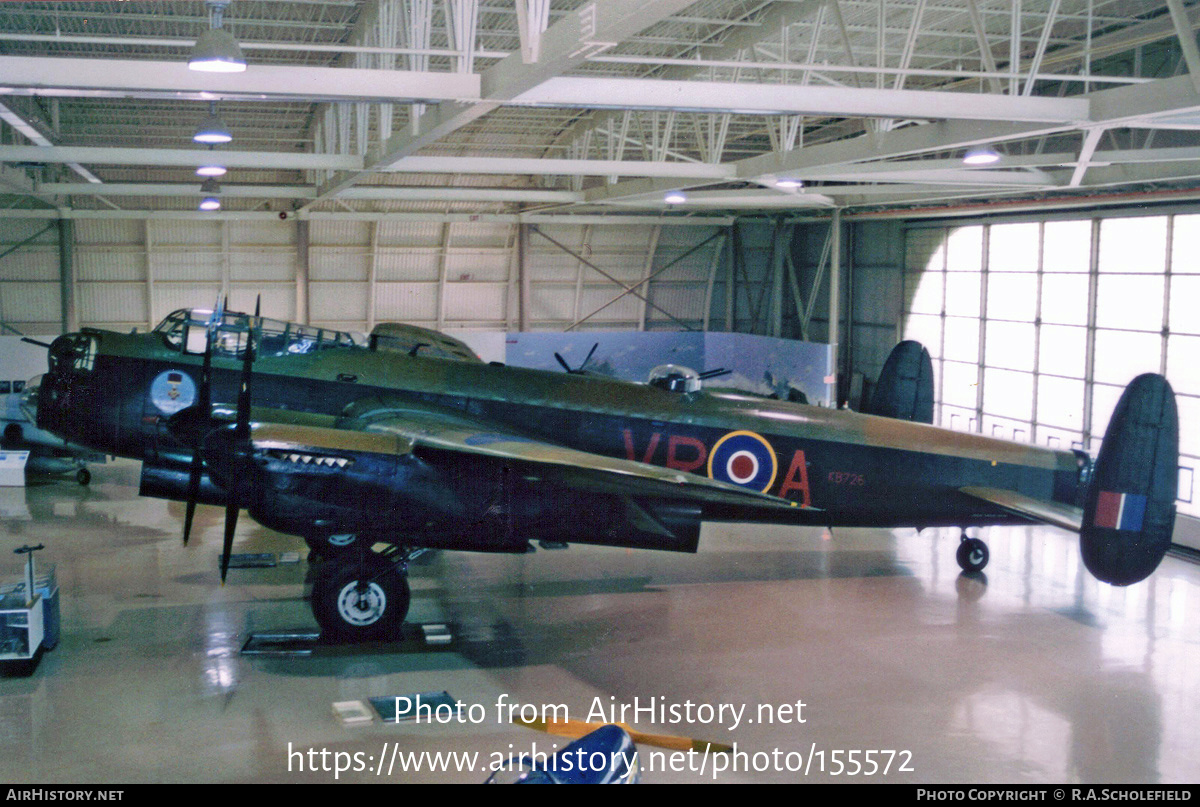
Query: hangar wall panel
x=131 y=273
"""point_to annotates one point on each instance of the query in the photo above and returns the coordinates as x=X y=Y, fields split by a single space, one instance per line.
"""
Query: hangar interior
x=803 y=169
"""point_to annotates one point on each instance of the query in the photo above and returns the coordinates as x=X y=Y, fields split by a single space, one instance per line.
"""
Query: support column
x=729 y=279
x=302 y=264
x=782 y=236
x=523 y=277
x=835 y=297
x=66 y=274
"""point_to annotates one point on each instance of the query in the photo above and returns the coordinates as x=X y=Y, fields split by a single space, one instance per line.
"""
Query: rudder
x=1129 y=510
x=905 y=388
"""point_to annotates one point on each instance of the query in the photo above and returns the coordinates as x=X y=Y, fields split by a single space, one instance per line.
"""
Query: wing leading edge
x=382 y=428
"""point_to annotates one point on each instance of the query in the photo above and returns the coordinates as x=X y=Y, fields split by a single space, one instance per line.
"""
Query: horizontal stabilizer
x=1061 y=515
x=905 y=388
x=1129 y=511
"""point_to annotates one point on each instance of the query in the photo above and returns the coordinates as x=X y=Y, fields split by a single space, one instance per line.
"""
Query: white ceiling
x=468 y=107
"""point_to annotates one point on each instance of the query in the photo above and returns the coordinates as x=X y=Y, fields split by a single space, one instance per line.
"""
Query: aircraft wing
x=1060 y=515
x=419 y=430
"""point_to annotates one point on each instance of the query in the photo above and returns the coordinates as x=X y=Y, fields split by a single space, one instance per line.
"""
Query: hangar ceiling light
x=216 y=51
x=981 y=156
x=211 y=189
x=212 y=129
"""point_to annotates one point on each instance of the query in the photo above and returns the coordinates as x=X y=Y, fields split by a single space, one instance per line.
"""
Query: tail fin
x=1129 y=510
x=905 y=388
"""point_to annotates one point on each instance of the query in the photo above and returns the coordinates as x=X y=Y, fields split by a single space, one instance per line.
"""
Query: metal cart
x=29 y=616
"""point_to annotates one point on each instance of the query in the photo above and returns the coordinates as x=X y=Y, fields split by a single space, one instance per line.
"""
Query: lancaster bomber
x=373 y=450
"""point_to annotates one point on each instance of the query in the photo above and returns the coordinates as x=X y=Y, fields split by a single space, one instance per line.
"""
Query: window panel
x=1183 y=363
x=1185 y=302
x=1185 y=246
x=1104 y=400
x=962 y=339
x=1065 y=299
x=964 y=249
x=1134 y=245
x=1189 y=424
x=960 y=384
x=924 y=293
x=1012 y=296
x=1060 y=402
x=962 y=293
x=925 y=249
x=1186 y=491
x=1063 y=350
x=1122 y=355
x=1130 y=301
x=1013 y=247
x=1010 y=345
x=925 y=329
x=1008 y=394
x=1063 y=439
x=958 y=418
x=1067 y=246
x=1006 y=429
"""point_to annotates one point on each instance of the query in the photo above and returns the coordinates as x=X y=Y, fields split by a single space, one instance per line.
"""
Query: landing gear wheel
x=360 y=599
x=84 y=476
x=972 y=555
x=331 y=546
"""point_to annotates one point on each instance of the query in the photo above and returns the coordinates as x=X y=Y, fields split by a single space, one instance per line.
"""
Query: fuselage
x=113 y=392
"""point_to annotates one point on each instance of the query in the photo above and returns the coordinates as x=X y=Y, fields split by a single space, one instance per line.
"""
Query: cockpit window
x=187 y=330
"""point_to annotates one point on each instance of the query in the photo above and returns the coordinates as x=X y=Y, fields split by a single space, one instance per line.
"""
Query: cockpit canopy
x=187 y=330
x=675 y=378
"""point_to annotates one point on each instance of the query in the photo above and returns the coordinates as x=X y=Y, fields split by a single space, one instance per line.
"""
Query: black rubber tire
x=348 y=615
x=326 y=548
x=972 y=555
x=84 y=476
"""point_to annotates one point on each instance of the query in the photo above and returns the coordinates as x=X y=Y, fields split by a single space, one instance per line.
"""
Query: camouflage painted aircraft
x=373 y=451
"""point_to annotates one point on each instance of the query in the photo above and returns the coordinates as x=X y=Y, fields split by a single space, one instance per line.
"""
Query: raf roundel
x=743 y=458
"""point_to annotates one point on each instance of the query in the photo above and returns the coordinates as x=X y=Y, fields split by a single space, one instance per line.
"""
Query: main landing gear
x=362 y=595
x=972 y=554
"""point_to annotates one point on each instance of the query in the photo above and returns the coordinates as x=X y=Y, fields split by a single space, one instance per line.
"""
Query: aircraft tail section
x=1129 y=509
x=905 y=388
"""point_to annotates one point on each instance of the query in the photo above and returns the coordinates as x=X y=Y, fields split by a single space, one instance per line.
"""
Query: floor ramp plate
x=424 y=707
x=282 y=643
x=305 y=641
x=252 y=560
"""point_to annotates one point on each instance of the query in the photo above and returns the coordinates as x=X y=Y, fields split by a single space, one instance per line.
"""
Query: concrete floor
x=1036 y=674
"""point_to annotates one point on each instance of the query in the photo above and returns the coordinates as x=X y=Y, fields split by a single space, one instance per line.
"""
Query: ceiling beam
x=373 y=192
x=285 y=161
x=187 y=158
x=258 y=215
x=793 y=99
x=129 y=78
x=588 y=30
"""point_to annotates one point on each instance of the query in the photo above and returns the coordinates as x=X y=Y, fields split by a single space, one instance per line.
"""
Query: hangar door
x=1035 y=327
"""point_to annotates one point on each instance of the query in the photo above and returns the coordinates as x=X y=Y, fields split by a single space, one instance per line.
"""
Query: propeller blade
x=241 y=438
x=591 y=353
x=231 y=519
x=243 y=403
x=204 y=407
x=563 y=362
